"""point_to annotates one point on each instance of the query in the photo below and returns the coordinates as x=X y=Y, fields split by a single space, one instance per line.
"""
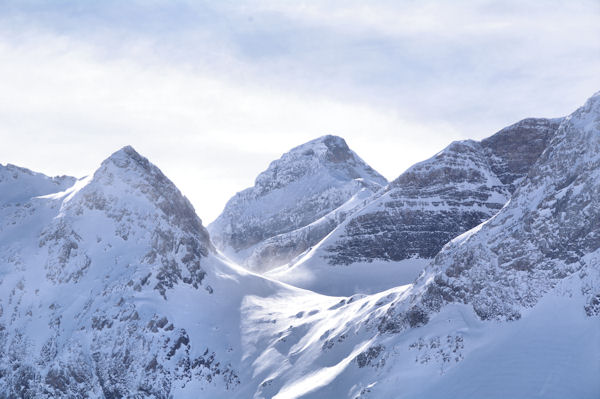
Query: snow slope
x=298 y=200
x=340 y=351
x=19 y=184
x=509 y=309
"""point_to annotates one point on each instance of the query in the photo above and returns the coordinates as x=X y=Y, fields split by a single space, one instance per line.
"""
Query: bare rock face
x=515 y=148
x=298 y=200
x=442 y=197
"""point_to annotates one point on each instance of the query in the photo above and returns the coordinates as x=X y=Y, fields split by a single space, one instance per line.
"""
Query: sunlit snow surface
x=455 y=355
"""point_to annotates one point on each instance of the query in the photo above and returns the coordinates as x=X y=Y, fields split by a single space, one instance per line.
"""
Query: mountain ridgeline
x=397 y=230
x=442 y=197
x=111 y=287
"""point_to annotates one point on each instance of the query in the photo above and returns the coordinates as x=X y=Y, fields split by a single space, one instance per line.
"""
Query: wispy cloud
x=212 y=91
x=63 y=110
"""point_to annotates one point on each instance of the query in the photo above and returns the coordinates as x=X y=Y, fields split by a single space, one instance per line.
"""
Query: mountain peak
x=328 y=140
x=337 y=149
x=124 y=157
x=330 y=153
x=130 y=166
x=328 y=148
x=127 y=179
x=304 y=185
x=513 y=150
x=128 y=149
x=332 y=142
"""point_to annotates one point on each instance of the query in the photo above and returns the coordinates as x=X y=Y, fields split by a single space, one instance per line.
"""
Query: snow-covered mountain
x=508 y=309
x=297 y=201
x=389 y=240
x=112 y=288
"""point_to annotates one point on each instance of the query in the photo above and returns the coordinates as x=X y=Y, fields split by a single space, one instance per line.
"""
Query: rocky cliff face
x=438 y=199
x=298 y=200
x=548 y=232
x=513 y=150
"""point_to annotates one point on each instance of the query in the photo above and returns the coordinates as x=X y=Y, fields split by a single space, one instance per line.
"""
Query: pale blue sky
x=212 y=91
